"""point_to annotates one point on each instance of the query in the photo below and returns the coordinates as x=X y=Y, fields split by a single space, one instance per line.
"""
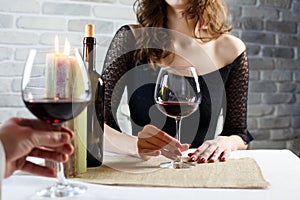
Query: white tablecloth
x=281 y=168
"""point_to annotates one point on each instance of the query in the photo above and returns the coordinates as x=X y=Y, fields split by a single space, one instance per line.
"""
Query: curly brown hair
x=209 y=13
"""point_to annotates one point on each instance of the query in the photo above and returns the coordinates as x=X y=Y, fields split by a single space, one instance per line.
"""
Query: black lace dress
x=225 y=89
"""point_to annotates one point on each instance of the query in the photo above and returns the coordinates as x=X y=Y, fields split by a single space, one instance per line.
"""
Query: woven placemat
x=129 y=171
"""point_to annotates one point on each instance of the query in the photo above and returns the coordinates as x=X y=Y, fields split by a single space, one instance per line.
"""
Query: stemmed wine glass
x=177 y=95
x=56 y=88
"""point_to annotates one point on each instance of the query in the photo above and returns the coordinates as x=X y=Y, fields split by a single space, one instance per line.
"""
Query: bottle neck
x=89 y=52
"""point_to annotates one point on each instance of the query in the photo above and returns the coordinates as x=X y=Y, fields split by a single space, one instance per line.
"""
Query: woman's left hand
x=212 y=150
x=218 y=148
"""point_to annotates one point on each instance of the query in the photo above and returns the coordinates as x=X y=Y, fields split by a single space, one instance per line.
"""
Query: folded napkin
x=129 y=171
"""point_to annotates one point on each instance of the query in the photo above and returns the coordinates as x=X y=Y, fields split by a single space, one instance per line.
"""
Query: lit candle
x=59 y=73
x=62 y=77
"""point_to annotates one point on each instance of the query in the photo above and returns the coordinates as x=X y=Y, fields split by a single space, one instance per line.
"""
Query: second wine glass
x=177 y=95
x=56 y=88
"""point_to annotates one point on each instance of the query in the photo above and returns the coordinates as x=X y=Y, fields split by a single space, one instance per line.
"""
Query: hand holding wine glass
x=177 y=95
x=23 y=138
x=56 y=88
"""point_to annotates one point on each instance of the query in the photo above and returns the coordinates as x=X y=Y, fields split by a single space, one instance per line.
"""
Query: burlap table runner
x=129 y=171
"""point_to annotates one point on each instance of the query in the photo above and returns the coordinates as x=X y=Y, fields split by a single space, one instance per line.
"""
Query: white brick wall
x=26 y=24
x=270 y=29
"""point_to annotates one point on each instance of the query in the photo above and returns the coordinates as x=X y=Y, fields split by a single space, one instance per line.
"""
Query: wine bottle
x=95 y=110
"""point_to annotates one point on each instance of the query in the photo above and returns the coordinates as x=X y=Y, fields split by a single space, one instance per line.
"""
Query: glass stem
x=60 y=174
x=178 y=132
x=59 y=165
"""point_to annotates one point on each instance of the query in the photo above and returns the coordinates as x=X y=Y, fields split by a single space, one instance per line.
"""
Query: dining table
x=279 y=167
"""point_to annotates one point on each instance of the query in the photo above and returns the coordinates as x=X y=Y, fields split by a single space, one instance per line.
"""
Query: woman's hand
x=218 y=148
x=29 y=137
x=153 y=142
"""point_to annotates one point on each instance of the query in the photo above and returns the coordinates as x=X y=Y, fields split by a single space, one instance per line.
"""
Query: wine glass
x=177 y=95
x=56 y=88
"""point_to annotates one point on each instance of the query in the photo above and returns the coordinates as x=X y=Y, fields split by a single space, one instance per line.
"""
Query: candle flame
x=56 y=44
x=67 y=47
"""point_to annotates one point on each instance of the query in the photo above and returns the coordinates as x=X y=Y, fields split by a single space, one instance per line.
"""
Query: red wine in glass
x=55 y=110
x=177 y=109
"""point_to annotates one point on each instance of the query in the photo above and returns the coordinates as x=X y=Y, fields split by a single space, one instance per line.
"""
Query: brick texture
x=270 y=29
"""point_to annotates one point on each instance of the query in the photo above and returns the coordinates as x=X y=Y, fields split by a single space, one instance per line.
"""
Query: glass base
x=176 y=165
x=62 y=190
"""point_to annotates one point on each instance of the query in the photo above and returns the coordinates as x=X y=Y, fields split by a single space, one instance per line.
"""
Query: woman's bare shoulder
x=229 y=47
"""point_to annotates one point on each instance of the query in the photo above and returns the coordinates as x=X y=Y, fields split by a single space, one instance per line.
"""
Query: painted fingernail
x=190 y=154
x=202 y=160
x=223 y=159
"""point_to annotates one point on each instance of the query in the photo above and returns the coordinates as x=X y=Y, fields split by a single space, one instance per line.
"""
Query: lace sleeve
x=119 y=59
x=236 y=96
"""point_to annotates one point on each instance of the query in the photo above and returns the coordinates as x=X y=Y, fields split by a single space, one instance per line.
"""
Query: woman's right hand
x=154 y=142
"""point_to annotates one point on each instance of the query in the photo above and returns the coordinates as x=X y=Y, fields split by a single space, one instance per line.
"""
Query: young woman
x=178 y=33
